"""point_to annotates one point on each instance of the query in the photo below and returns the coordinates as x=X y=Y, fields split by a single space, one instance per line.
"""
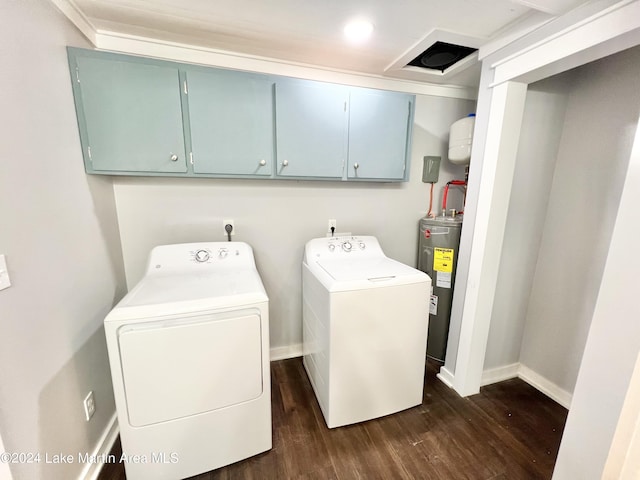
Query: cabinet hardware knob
x=263 y=162
x=285 y=163
x=174 y=157
x=356 y=165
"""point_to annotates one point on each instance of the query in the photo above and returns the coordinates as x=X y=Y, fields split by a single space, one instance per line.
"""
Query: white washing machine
x=365 y=320
x=189 y=354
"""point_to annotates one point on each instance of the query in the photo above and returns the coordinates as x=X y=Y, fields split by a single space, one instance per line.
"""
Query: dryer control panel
x=207 y=255
x=200 y=256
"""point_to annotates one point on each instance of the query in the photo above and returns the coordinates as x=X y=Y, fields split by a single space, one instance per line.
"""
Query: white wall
x=602 y=112
x=537 y=151
x=278 y=217
x=59 y=234
x=575 y=144
x=612 y=345
x=623 y=461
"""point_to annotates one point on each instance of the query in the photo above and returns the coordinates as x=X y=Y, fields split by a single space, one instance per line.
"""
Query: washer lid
x=360 y=273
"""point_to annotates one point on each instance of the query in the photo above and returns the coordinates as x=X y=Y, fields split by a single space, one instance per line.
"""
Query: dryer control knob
x=362 y=245
x=201 y=256
x=223 y=252
x=346 y=246
x=332 y=247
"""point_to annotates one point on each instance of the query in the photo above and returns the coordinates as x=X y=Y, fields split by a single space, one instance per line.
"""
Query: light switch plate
x=5 y=281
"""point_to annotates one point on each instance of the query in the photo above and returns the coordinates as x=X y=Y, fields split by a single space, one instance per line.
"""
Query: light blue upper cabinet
x=129 y=113
x=379 y=134
x=311 y=129
x=141 y=116
x=231 y=122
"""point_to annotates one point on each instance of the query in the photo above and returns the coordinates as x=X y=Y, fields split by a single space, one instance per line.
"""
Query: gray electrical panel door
x=438 y=257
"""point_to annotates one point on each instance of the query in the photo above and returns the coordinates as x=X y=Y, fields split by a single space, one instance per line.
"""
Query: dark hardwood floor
x=508 y=431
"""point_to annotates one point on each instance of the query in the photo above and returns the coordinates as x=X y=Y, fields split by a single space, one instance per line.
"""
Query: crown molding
x=180 y=52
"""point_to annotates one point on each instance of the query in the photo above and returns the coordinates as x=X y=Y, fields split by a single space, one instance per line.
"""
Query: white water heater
x=460 y=138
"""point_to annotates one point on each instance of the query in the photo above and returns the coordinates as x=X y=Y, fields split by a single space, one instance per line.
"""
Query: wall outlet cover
x=89 y=406
x=5 y=281
x=226 y=222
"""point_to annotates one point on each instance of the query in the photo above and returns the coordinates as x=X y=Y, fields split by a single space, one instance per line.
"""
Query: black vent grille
x=441 y=56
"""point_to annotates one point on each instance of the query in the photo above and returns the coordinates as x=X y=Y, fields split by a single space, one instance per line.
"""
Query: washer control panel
x=342 y=247
x=345 y=247
x=346 y=244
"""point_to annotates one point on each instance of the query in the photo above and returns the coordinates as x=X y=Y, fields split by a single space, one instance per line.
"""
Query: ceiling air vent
x=441 y=56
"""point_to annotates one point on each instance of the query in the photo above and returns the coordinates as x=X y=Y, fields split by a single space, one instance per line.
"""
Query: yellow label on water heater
x=443 y=259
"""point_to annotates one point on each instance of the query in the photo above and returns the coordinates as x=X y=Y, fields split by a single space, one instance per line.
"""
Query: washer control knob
x=223 y=252
x=201 y=256
x=362 y=245
x=332 y=247
x=346 y=246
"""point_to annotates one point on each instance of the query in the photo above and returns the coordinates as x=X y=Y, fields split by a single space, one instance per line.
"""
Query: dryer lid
x=155 y=289
x=170 y=294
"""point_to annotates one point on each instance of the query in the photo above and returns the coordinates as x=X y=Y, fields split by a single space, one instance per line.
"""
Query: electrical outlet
x=226 y=222
x=332 y=224
x=89 y=406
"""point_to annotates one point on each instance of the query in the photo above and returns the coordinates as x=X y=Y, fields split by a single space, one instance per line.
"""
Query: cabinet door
x=132 y=115
x=311 y=129
x=379 y=127
x=231 y=120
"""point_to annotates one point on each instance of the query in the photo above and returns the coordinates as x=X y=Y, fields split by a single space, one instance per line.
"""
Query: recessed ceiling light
x=358 y=31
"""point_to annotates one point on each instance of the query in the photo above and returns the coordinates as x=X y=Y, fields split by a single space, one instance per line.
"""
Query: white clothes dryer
x=189 y=355
x=365 y=320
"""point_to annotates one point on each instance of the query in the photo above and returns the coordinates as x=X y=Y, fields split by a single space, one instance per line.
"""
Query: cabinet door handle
x=356 y=165
x=263 y=162
x=174 y=157
x=285 y=163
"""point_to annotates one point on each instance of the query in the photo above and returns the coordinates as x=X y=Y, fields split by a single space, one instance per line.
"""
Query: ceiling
x=311 y=32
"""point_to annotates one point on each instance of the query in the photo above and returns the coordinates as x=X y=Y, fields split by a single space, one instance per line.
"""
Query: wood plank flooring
x=508 y=431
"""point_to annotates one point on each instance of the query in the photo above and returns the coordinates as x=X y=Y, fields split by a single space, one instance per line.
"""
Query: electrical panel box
x=430 y=169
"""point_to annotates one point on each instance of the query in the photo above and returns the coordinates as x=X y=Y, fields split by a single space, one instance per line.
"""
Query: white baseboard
x=290 y=351
x=547 y=387
x=499 y=374
x=446 y=377
x=91 y=470
x=537 y=381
